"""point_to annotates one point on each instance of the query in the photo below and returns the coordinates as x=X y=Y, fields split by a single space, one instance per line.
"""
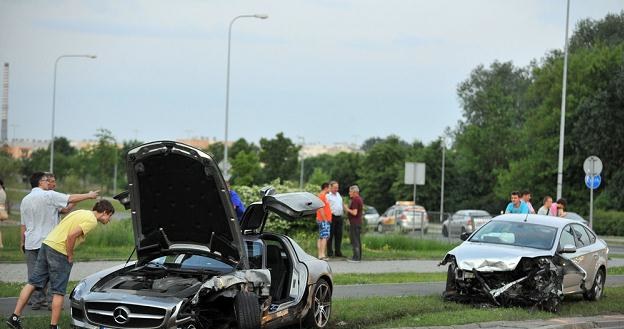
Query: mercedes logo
x=121 y=314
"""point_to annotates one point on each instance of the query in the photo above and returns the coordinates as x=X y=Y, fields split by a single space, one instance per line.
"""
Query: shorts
x=51 y=266
x=324 y=228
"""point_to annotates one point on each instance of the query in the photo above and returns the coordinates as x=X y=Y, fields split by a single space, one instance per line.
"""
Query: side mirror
x=464 y=236
x=568 y=249
x=123 y=198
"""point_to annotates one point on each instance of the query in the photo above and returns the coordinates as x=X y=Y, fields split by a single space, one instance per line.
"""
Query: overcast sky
x=328 y=71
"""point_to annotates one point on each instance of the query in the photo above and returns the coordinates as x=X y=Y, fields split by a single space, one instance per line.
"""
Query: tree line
x=507 y=139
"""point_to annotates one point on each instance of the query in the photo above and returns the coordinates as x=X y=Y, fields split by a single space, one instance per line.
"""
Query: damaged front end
x=534 y=282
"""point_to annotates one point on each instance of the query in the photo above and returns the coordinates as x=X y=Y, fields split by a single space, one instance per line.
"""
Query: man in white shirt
x=39 y=215
x=335 y=236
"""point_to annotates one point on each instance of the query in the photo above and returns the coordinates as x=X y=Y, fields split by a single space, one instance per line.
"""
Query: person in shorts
x=323 y=219
x=56 y=258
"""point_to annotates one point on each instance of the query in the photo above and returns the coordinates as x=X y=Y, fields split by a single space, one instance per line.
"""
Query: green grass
x=414 y=311
x=113 y=241
x=378 y=278
x=12 y=289
x=384 y=246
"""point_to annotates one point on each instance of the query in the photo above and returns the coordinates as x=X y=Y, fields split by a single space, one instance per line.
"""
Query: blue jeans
x=51 y=266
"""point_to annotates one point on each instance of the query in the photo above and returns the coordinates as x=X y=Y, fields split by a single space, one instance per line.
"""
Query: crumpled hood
x=488 y=257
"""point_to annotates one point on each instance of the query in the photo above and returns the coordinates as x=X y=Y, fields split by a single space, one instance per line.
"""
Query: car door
x=456 y=223
x=572 y=234
x=590 y=252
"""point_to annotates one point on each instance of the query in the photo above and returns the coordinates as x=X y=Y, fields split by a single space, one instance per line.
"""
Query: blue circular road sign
x=593 y=184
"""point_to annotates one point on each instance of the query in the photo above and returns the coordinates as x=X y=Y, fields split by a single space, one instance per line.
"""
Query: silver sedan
x=527 y=260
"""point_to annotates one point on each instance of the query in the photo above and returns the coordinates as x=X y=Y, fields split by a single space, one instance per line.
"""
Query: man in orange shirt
x=323 y=219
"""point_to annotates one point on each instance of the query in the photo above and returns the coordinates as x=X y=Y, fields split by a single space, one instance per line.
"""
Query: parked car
x=197 y=267
x=576 y=217
x=465 y=221
x=371 y=216
x=404 y=216
x=527 y=260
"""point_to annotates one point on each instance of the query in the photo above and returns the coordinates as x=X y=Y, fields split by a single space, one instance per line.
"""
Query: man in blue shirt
x=516 y=206
x=239 y=207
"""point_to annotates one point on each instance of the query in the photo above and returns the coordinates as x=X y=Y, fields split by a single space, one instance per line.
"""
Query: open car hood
x=287 y=205
x=178 y=196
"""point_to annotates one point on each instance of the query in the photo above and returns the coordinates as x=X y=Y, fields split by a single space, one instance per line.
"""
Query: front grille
x=125 y=315
x=77 y=313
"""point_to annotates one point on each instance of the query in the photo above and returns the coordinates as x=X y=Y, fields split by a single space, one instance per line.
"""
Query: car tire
x=379 y=228
x=597 y=288
x=444 y=232
x=451 y=287
x=320 y=310
x=247 y=310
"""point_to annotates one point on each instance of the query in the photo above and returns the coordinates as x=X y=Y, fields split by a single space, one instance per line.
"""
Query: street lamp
x=54 y=103
x=563 y=109
x=226 y=165
x=301 y=155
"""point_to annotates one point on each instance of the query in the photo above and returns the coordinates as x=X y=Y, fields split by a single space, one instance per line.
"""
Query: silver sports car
x=527 y=260
x=197 y=266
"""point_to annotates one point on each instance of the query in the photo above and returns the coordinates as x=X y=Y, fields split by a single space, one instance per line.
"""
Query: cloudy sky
x=328 y=71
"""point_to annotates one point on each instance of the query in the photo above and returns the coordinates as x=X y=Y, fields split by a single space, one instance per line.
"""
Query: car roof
x=536 y=219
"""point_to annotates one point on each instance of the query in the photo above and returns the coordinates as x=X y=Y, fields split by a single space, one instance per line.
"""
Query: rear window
x=479 y=214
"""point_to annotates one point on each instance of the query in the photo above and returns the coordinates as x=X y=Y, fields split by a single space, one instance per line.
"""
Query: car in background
x=527 y=260
x=576 y=217
x=371 y=216
x=465 y=221
x=404 y=216
x=197 y=266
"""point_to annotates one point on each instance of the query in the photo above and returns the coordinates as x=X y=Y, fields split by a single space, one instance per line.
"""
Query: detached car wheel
x=596 y=290
x=318 y=316
x=247 y=310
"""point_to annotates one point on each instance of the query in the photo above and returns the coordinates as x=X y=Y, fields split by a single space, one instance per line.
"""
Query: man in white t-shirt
x=336 y=205
x=39 y=215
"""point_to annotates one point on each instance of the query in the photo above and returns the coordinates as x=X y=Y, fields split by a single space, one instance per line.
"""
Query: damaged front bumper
x=534 y=282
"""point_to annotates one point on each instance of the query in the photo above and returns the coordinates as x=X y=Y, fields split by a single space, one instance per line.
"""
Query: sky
x=319 y=71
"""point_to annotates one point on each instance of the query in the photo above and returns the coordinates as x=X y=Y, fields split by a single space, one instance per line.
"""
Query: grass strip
x=413 y=311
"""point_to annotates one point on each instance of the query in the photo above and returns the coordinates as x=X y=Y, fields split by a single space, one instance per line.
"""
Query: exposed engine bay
x=199 y=299
x=534 y=282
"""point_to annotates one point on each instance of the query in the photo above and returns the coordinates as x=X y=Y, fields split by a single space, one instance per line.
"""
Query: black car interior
x=279 y=266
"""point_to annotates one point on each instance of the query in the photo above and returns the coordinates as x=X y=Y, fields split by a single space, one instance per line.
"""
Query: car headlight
x=78 y=291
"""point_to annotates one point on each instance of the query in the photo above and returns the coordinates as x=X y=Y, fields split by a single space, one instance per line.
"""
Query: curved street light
x=226 y=165
x=54 y=103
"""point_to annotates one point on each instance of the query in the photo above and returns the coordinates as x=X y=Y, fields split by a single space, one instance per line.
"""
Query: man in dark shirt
x=354 y=212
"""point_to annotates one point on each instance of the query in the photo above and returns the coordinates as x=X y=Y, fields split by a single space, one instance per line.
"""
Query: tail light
x=471 y=221
x=403 y=217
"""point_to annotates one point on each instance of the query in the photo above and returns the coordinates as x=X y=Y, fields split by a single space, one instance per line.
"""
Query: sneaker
x=353 y=260
x=14 y=322
x=35 y=307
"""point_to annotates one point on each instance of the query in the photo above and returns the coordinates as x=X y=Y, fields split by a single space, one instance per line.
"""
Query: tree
x=319 y=177
x=280 y=157
x=494 y=111
x=379 y=169
x=246 y=168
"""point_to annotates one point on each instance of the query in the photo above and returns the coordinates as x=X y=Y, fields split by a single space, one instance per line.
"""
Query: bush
x=609 y=222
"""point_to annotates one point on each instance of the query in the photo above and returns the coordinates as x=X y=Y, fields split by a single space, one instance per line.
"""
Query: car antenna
x=132 y=253
x=526 y=217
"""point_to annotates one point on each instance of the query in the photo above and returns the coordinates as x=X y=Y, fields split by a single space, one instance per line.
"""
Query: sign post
x=593 y=168
x=415 y=175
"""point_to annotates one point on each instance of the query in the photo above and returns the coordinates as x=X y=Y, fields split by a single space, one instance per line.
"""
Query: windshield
x=194 y=262
x=517 y=234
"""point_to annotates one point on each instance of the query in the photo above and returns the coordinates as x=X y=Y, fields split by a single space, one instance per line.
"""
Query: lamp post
x=301 y=155
x=54 y=103
x=563 y=108
x=226 y=165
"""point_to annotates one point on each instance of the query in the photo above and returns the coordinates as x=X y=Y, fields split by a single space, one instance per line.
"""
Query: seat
x=276 y=266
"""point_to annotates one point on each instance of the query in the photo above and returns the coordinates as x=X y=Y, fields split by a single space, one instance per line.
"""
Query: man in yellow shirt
x=56 y=257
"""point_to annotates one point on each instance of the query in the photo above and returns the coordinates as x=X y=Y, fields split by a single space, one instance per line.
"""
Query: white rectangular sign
x=415 y=173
